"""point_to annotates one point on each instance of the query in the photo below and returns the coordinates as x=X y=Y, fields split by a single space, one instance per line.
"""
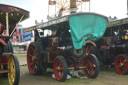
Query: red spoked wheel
x=33 y=59
x=121 y=64
x=89 y=50
x=60 y=68
x=92 y=66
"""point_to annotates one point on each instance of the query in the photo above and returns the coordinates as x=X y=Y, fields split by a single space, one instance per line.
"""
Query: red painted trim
x=104 y=46
x=89 y=41
x=3 y=42
x=4 y=58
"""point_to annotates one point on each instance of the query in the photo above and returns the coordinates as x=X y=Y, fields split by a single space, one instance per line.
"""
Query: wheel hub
x=59 y=68
x=33 y=58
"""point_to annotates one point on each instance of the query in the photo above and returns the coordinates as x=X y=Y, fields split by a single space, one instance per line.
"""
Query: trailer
x=61 y=44
x=10 y=16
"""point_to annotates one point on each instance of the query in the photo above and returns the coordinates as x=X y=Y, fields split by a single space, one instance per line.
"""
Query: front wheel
x=121 y=64
x=60 y=68
x=92 y=66
x=14 y=70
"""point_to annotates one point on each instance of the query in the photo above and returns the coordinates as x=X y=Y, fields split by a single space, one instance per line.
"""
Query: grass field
x=106 y=77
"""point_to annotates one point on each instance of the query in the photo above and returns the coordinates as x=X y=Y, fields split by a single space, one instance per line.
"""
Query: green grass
x=46 y=78
x=4 y=81
x=26 y=77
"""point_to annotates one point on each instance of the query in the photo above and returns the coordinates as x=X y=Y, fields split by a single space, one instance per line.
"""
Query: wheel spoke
x=119 y=66
x=13 y=70
x=30 y=55
x=35 y=68
x=124 y=69
x=120 y=60
x=31 y=63
x=61 y=69
x=32 y=49
x=60 y=64
x=124 y=64
x=93 y=67
x=88 y=50
x=35 y=53
x=61 y=74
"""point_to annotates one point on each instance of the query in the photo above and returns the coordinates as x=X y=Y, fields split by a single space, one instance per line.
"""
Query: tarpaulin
x=86 y=27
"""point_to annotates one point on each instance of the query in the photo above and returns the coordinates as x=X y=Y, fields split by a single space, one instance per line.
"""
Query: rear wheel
x=121 y=64
x=34 y=59
x=92 y=66
x=89 y=49
x=1 y=50
x=14 y=70
x=60 y=68
x=7 y=49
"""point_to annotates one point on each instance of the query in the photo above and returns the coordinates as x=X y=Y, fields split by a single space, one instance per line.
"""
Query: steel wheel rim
x=58 y=69
x=121 y=64
x=32 y=59
x=12 y=70
x=91 y=66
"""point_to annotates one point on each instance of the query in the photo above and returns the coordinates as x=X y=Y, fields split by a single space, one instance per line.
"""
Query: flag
x=52 y=2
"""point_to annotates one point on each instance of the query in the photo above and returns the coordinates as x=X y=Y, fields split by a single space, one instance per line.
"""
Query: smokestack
x=73 y=7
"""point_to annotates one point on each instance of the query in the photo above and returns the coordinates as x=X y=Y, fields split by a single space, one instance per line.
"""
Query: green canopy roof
x=86 y=27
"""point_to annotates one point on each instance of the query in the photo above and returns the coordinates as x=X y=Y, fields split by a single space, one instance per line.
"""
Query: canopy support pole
x=16 y=26
x=7 y=24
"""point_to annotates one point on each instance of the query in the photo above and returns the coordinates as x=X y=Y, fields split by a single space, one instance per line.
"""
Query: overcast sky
x=39 y=8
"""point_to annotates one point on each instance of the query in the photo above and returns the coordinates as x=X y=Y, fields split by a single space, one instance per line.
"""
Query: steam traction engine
x=113 y=46
x=10 y=16
x=61 y=44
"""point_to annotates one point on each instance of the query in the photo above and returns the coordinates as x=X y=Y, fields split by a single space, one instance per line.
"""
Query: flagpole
x=127 y=7
x=48 y=8
x=89 y=5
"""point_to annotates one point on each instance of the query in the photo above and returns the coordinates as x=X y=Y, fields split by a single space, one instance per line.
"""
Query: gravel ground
x=106 y=77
